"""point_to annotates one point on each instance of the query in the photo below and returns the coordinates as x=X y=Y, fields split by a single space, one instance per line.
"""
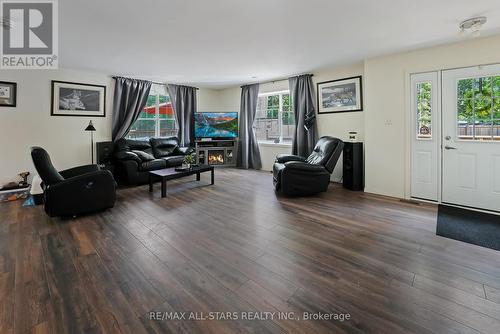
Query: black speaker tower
x=104 y=152
x=353 y=166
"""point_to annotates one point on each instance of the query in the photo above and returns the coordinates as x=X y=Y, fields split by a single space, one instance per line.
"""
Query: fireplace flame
x=216 y=158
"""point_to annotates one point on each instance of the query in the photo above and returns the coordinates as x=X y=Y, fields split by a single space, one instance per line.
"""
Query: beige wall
x=336 y=125
x=268 y=153
x=63 y=137
x=229 y=100
x=387 y=148
x=382 y=126
x=30 y=123
x=208 y=99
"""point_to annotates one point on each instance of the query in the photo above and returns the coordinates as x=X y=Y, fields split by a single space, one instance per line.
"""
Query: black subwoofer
x=353 y=166
x=104 y=152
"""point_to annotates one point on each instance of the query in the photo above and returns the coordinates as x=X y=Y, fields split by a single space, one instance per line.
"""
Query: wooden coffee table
x=170 y=173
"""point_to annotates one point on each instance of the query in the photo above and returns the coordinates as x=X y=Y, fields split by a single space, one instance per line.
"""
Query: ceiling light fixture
x=473 y=26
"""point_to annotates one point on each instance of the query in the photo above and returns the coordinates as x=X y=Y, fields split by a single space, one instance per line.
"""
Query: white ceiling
x=219 y=43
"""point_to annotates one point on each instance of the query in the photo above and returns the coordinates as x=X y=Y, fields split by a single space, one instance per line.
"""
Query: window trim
x=269 y=144
x=280 y=118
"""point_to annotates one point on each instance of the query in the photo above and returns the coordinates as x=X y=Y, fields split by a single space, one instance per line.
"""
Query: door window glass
x=424 y=110
x=478 y=108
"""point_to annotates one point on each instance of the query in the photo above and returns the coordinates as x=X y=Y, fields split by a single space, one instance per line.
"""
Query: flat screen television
x=216 y=125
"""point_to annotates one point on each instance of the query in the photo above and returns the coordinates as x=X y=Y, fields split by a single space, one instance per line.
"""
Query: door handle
x=450 y=147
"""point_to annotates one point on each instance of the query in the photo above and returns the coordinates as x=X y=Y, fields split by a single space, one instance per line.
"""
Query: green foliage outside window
x=273 y=105
x=151 y=101
x=164 y=99
x=288 y=116
x=478 y=99
x=424 y=108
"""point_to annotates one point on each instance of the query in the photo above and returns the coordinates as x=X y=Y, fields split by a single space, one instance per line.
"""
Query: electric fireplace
x=221 y=153
x=216 y=157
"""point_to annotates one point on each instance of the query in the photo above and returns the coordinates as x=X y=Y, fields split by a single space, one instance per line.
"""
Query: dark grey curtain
x=184 y=104
x=302 y=94
x=248 y=148
x=129 y=100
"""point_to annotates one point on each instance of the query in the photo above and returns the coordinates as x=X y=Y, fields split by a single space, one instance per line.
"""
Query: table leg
x=163 y=188
x=212 y=176
x=197 y=176
x=150 y=183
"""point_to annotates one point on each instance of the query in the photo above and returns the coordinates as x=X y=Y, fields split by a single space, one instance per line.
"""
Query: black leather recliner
x=298 y=176
x=134 y=158
x=74 y=191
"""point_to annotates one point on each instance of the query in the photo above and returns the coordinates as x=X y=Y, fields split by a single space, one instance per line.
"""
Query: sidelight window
x=424 y=110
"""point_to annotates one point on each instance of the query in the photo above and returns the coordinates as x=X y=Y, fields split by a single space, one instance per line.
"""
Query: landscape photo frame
x=78 y=99
x=342 y=95
x=8 y=94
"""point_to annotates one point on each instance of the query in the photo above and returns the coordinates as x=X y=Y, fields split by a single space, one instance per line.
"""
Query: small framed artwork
x=78 y=99
x=8 y=94
x=342 y=95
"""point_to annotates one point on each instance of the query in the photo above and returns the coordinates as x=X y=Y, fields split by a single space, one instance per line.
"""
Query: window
x=424 y=110
x=478 y=105
x=157 y=119
x=275 y=122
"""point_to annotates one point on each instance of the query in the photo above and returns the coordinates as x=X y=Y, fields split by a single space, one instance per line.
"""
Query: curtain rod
x=155 y=82
x=282 y=79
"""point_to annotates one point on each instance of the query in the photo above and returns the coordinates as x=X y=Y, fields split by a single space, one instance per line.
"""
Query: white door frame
x=483 y=190
x=432 y=191
x=409 y=114
x=409 y=132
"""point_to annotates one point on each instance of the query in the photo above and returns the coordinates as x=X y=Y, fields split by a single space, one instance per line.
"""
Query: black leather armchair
x=297 y=176
x=74 y=191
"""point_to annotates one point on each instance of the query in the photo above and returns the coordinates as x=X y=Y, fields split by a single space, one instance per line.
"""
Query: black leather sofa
x=134 y=158
x=74 y=191
x=299 y=176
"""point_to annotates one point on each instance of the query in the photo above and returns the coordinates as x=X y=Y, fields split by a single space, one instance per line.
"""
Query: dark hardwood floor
x=238 y=247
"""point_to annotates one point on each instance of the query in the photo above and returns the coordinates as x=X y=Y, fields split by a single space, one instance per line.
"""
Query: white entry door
x=425 y=136
x=471 y=137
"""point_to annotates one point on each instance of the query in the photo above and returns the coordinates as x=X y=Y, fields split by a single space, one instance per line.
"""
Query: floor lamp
x=91 y=128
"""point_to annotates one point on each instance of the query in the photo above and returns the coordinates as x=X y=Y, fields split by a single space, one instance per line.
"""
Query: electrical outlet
x=388 y=122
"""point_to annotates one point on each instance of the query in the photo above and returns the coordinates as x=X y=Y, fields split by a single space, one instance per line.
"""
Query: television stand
x=216 y=152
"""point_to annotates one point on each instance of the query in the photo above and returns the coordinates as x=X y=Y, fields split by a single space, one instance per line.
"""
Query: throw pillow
x=143 y=155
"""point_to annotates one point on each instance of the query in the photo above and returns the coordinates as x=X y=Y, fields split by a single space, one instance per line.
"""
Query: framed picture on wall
x=78 y=99
x=343 y=95
x=8 y=94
